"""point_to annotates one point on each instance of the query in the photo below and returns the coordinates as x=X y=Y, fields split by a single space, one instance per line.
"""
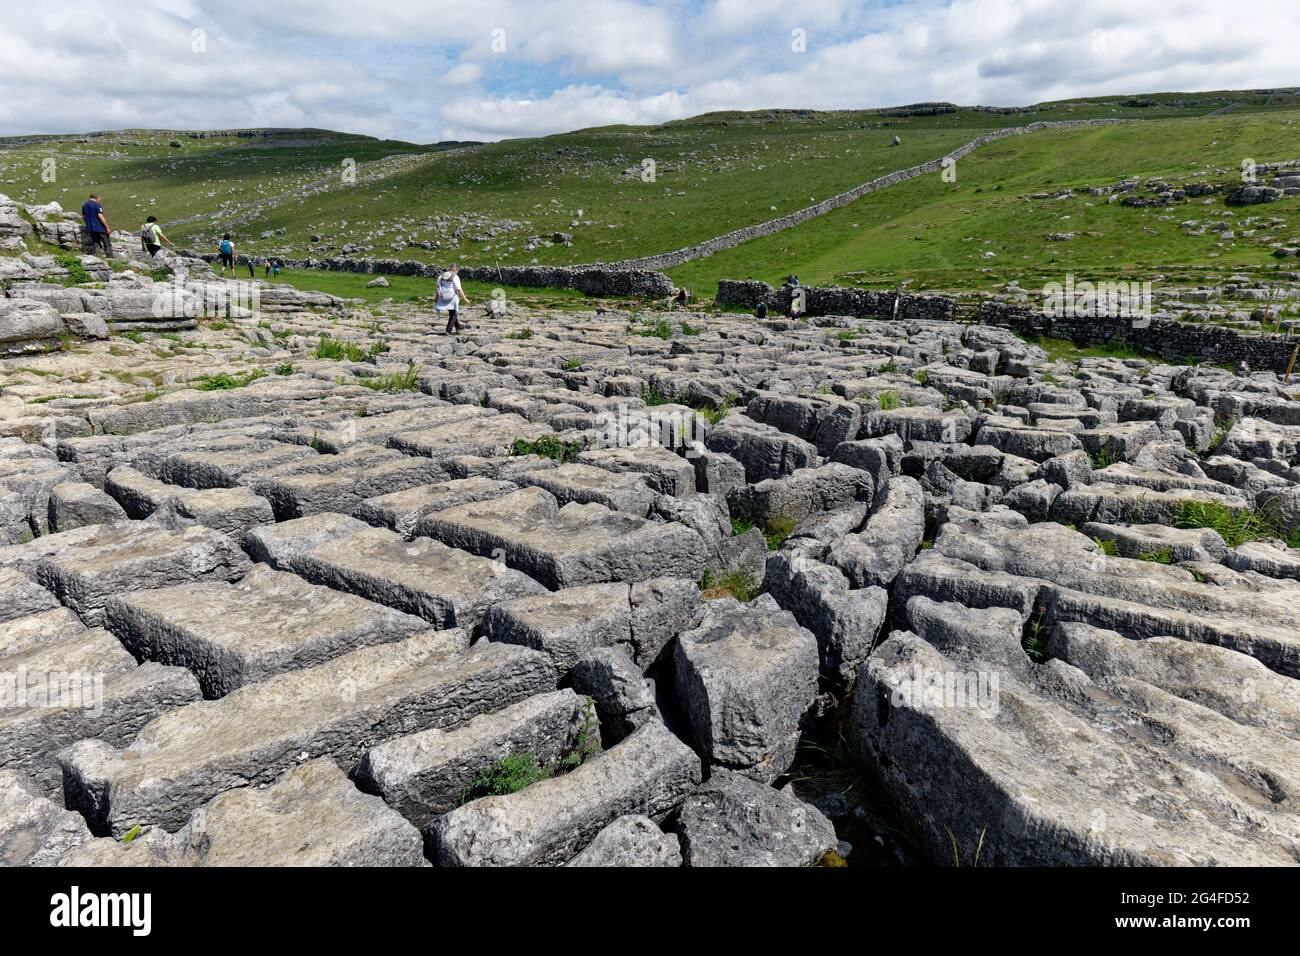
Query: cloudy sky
x=425 y=70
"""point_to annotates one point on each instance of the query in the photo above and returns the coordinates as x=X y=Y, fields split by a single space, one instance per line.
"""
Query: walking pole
x=1291 y=364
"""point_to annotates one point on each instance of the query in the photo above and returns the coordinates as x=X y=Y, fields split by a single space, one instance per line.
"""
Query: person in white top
x=450 y=296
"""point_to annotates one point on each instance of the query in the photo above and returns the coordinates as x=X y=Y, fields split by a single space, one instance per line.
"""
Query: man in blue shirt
x=96 y=225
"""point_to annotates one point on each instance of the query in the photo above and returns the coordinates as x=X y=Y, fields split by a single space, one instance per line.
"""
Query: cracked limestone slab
x=232 y=634
x=337 y=709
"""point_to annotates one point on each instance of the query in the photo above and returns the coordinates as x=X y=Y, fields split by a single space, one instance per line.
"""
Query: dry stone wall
x=594 y=280
x=1168 y=338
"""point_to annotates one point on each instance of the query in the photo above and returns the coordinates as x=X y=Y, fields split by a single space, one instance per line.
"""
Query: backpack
x=227 y=247
x=446 y=286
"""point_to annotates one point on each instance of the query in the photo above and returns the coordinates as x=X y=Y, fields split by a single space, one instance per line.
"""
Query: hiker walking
x=248 y=261
x=152 y=238
x=227 y=251
x=450 y=295
x=96 y=226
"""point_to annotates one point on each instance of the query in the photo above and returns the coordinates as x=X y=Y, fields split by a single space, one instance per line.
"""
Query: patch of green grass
x=588 y=743
x=548 y=446
x=979 y=848
x=571 y=365
x=71 y=262
x=1158 y=556
x=658 y=330
x=131 y=335
x=922 y=377
x=338 y=350
x=218 y=325
x=379 y=347
x=521 y=335
x=889 y=366
x=774 y=530
x=653 y=396
x=688 y=329
x=285 y=368
x=715 y=415
x=407 y=380
x=1235 y=525
x=161 y=274
x=1107 y=546
x=737 y=584
x=224 y=380
x=888 y=401
x=1035 y=641
x=1065 y=350
x=508 y=775
x=1102 y=458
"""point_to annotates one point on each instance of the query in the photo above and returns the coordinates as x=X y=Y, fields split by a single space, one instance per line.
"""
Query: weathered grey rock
x=763 y=451
x=1234 y=685
x=400 y=511
x=21 y=596
x=34 y=830
x=805 y=492
x=717 y=473
x=232 y=634
x=667 y=472
x=1157 y=540
x=129 y=555
x=587 y=484
x=278 y=544
x=734 y=821
x=443 y=585
x=230 y=510
x=1262 y=558
x=1032 y=499
x=571 y=545
x=41 y=629
x=746 y=676
x=845 y=622
x=631 y=840
x=546 y=823
x=427 y=774
x=357 y=474
x=565 y=624
x=75 y=504
x=1027 y=774
x=662 y=608
x=311 y=816
x=624 y=699
x=54 y=693
x=890 y=538
x=28 y=326
x=337 y=709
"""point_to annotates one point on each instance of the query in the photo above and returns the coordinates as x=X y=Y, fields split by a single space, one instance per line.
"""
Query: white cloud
x=423 y=71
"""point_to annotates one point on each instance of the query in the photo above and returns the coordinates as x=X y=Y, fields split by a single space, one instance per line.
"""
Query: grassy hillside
x=714 y=173
x=935 y=234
